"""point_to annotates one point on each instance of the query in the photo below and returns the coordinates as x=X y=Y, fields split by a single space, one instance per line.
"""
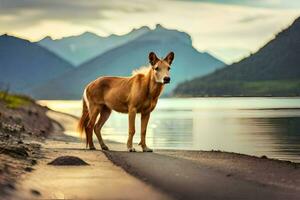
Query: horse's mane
x=142 y=70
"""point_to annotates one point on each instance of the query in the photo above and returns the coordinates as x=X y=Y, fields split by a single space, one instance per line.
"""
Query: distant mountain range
x=24 y=64
x=123 y=59
x=81 y=48
x=274 y=70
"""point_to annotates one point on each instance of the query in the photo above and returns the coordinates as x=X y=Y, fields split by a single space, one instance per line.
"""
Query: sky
x=229 y=30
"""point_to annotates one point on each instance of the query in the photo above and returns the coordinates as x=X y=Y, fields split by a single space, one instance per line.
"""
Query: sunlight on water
x=254 y=126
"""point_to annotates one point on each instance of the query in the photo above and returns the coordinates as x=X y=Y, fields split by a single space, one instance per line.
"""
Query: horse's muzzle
x=167 y=80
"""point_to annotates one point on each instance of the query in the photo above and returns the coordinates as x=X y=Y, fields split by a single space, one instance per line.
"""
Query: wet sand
x=185 y=179
x=282 y=174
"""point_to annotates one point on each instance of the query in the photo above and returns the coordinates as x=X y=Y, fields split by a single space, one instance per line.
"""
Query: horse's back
x=110 y=91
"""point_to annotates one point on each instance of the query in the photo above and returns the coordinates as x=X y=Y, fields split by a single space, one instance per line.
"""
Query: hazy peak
x=88 y=34
x=159 y=26
x=166 y=34
x=47 y=38
x=12 y=38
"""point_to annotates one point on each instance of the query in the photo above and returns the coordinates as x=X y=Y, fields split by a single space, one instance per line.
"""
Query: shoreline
x=100 y=179
x=249 y=170
x=111 y=142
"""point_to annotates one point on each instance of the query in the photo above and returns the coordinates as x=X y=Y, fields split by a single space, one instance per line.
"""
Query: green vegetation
x=14 y=101
x=239 y=88
x=274 y=70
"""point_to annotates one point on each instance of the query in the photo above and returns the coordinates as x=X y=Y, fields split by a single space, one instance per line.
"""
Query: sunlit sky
x=228 y=29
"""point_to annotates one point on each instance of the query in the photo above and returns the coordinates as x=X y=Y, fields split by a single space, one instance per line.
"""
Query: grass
x=14 y=101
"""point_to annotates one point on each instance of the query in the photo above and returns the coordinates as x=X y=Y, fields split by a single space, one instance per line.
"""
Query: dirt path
x=101 y=179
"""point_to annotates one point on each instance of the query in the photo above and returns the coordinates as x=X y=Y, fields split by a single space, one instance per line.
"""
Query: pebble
x=16 y=151
x=28 y=169
x=264 y=157
x=33 y=162
x=35 y=192
x=10 y=186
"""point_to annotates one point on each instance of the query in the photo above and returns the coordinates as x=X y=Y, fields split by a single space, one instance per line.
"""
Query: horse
x=136 y=94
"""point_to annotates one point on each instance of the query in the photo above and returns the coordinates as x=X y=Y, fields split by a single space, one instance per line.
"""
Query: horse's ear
x=169 y=58
x=153 y=58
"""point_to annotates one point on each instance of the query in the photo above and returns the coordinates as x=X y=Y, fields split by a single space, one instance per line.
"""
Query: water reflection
x=254 y=126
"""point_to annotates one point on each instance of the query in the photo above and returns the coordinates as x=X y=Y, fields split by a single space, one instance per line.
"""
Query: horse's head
x=161 y=68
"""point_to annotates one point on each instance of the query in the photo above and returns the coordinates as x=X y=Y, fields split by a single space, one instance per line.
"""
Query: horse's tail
x=83 y=121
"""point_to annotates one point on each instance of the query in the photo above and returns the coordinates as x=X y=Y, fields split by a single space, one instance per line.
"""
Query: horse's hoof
x=105 y=148
x=92 y=148
x=131 y=149
x=146 y=149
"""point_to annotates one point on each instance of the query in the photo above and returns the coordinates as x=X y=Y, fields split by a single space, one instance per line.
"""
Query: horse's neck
x=154 y=89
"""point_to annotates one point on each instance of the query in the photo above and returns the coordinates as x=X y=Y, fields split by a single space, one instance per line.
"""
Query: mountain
x=24 y=64
x=122 y=60
x=79 y=49
x=274 y=70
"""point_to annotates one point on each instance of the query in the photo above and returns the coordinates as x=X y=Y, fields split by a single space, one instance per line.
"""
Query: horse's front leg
x=131 y=120
x=144 y=123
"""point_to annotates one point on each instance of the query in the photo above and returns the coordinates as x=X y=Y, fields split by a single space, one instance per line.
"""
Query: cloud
x=281 y=4
x=229 y=29
x=252 y=18
x=20 y=13
x=215 y=26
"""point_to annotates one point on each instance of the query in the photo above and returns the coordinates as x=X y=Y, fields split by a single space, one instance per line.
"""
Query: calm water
x=254 y=126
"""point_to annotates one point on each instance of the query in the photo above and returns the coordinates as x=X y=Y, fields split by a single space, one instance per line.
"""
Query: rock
x=33 y=162
x=68 y=160
x=18 y=120
x=29 y=112
x=264 y=157
x=28 y=169
x=16 y=151
x=22 y=128
x=35 y=145
x=35 y=192
x=10 y=186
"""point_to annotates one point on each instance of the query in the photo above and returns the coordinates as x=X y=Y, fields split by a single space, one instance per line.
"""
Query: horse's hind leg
x=94 y=112
x=104 y=115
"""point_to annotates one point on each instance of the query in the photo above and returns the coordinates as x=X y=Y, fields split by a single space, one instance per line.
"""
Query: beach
x=163 y=174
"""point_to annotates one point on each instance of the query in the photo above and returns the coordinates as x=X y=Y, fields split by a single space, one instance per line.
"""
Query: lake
x=253 y=126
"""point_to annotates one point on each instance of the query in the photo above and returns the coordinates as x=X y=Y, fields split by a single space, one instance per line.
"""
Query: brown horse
x=136 y=94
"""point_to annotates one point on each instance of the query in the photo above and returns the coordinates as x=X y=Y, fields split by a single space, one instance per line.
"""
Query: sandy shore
x=101 y=179
x=164 y=174
x=23 y=127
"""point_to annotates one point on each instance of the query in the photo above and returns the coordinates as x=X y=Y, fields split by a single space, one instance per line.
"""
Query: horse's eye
x=169 y=68
x=156 y=68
